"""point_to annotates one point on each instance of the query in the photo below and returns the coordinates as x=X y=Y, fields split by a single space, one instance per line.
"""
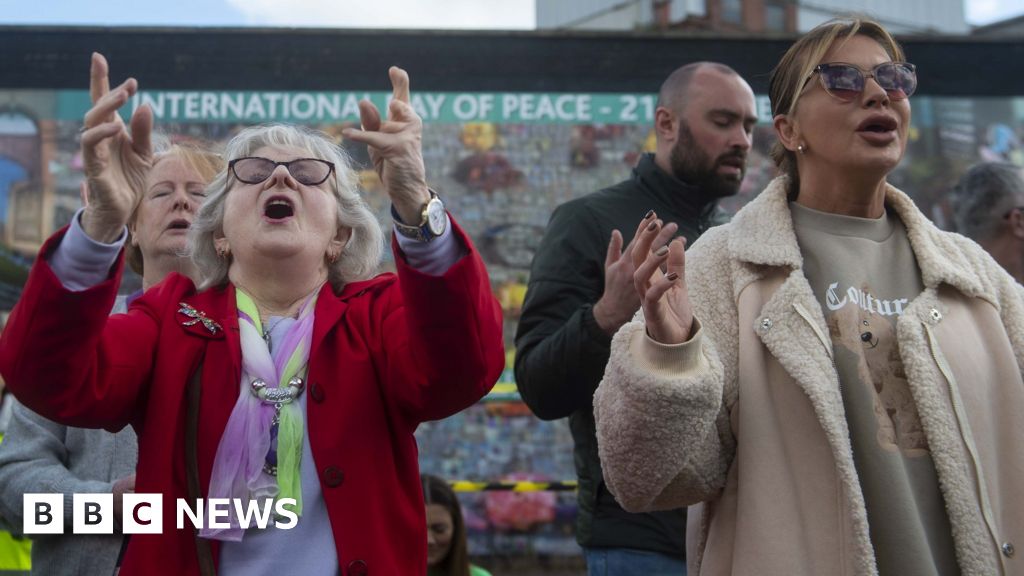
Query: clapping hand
x=663 y=295
x=619 y=301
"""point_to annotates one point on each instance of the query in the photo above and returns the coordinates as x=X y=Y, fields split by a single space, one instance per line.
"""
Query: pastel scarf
x=238 y=467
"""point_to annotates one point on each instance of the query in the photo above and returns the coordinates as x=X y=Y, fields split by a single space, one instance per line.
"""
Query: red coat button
x=333 y=477
x=316 y=392
x=357 y=568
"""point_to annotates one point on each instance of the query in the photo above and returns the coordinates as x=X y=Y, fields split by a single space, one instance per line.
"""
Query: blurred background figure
x=14 y=552
x=816 y=377
x=447 y=551
x=989 y=208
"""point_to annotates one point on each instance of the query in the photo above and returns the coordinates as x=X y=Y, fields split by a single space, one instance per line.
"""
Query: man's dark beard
x=692 y=165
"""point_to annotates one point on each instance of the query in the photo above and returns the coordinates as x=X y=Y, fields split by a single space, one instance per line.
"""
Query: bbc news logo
x=143 y=513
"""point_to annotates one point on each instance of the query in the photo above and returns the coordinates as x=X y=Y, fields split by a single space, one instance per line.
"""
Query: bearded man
x=581 y=291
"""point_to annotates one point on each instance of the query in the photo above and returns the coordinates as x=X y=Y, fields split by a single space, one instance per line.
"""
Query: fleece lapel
x=768 y=237
x=792 y=327
x=789 y=334
x=940 y=259
x=791 y=323
x=933 y=395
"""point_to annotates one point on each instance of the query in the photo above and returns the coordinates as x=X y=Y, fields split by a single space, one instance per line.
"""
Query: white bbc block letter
x=219 y=508
x=42 y=514
x=142 y=513
x=93 y=514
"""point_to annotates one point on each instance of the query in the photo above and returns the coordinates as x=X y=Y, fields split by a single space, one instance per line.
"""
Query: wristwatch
x=433 y=221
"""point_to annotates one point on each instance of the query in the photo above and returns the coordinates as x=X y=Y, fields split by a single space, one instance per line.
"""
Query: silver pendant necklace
x=268 y=329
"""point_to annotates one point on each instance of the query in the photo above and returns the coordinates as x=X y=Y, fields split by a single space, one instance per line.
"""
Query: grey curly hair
x=362 y=253
x=984 y=196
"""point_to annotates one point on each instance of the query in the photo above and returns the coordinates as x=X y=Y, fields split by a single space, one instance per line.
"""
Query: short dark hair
x=983 y=196
x=675 y=88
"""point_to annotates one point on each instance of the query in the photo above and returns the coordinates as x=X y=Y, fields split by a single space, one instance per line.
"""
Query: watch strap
x=421 y=231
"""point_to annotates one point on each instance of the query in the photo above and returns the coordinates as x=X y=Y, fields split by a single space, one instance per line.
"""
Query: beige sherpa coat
x=748 y=416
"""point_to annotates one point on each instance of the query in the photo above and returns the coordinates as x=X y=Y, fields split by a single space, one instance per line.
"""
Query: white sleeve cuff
x=434 y=257
x=670 y=360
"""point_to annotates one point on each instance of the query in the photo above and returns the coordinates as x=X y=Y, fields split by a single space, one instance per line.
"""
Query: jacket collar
x=686 y=199
x=203 y=313
x=331 y=306
x=219 y=305
x=769 y=239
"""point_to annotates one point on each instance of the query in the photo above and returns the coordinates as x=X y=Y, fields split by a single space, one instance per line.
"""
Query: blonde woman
x=832 y=382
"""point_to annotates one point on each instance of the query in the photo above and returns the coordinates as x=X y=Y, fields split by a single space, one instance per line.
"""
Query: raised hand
x=663 y=295
x=395 y=148
x=620 y=301
x=116 y=162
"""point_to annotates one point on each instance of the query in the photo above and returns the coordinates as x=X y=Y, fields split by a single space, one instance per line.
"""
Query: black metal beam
x=304 y=59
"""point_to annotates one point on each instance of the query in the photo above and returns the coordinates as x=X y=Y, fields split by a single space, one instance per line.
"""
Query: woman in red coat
x=290 y=374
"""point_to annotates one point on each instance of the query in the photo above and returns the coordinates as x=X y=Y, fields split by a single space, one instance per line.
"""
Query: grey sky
x=482 y=14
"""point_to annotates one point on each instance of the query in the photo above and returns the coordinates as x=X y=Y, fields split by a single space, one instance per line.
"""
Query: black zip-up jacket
x=561 y=352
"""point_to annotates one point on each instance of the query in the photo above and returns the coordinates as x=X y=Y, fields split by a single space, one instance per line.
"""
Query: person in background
x=447 y=549
x=581 y=291
x=832 y=382
x=988 y=204
x=15 y=551
x=43 y=456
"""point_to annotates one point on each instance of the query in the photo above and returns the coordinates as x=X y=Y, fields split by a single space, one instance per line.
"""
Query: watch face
x=436 y=217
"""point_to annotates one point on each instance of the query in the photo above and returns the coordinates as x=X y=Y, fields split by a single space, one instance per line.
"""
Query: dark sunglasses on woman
x=306 y=171
x=846 y=81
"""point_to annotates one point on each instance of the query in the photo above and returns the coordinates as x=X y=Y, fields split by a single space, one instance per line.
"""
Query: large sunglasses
x=846 y=81
x=306 y=171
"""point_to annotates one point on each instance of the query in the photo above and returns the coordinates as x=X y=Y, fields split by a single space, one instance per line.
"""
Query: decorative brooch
x=197 y=316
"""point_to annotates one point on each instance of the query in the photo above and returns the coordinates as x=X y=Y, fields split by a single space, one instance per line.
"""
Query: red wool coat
x=387 y=354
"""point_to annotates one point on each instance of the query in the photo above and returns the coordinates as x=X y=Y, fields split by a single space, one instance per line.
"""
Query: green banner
x=333 y=107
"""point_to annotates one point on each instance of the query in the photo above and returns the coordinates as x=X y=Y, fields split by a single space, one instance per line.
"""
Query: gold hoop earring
x=223 y=252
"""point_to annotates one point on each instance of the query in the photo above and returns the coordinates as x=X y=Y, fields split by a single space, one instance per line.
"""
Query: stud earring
x=802 y=149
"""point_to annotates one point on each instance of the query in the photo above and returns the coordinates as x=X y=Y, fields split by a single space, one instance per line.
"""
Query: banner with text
x=337 y=107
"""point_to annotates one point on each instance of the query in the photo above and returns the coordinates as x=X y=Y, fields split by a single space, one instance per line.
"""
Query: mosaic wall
x=501 y=181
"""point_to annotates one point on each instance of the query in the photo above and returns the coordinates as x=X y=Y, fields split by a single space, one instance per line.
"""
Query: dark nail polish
x=661 y=251
x=672 y=276
x=649 y=214
x=652 y=225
